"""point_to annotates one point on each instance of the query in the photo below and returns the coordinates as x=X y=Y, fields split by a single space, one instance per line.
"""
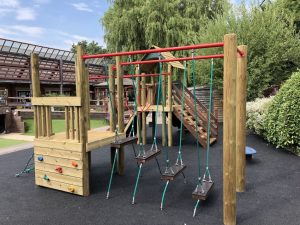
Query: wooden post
x=120 y=93
x=170 y=132
x=229 y=130
x=112 y=110
x=163 y=124
x=241 y=97
x=143 y=103
x=36 y=91
x=154 y=103
x=88 y=111
x=82 y=91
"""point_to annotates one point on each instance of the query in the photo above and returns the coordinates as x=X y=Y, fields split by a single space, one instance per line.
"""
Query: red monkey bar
x=189 y=47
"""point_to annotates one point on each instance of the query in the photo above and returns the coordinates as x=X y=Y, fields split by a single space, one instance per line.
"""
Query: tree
x=138 y=24
x=272 y=41
x=90 y=48
x=294 y=7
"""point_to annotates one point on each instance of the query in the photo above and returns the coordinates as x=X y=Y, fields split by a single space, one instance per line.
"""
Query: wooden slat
x=207 y=187
x=148 y=156
x=65 y=170
x=48 y=122
x=62 y=145
x=59 y=161
x=67 y=120
x=72 y=133
x=77 y=127
x=59 y=178
x=174 y=171
x=58 y=186
x=56 y=101
x=123 y=142
x=64 y=154
x=43 y=119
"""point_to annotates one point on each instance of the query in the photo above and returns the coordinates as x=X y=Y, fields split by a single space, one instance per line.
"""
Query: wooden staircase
x=189 y=117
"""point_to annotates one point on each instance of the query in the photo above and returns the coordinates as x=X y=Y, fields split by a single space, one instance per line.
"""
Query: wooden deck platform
x=96 y=139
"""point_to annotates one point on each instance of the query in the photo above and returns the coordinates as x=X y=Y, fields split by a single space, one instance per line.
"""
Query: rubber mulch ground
x=272 y=196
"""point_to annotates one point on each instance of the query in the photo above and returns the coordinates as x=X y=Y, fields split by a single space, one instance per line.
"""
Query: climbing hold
x=46 y=178
x=71 y=189
x=75 y=164
x=40 y=158
x=59 y=169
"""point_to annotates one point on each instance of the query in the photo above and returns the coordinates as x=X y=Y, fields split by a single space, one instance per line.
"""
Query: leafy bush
x=256 y=112
x=282 y=122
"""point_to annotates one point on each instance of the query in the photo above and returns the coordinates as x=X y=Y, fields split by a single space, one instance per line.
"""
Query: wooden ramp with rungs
x=189 y=116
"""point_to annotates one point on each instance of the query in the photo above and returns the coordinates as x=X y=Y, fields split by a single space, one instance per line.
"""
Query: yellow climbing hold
x=71 y=189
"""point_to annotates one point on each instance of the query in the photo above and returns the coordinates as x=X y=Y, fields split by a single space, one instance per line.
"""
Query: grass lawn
x=4 y=143
x=59 y=125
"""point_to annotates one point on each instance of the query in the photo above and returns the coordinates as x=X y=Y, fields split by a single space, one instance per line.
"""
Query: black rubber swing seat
x=147 y=156
x=207 y=186
x=123 y=142
x=176 y=169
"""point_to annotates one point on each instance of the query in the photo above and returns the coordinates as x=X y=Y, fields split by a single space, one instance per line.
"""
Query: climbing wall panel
x=58 y=167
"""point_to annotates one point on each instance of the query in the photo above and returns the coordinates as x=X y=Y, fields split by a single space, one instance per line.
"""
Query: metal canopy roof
x=15 y=63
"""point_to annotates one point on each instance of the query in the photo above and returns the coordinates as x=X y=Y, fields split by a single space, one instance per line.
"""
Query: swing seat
x=122 y=142
x=177 y=169
x=207 y=186
x=148 y=155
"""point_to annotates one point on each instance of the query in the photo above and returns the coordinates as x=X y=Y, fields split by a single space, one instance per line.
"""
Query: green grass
x=59 y=125
x=4 y=143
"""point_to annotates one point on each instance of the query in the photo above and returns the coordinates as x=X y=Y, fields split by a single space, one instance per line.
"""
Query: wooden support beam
x=241 y=98
x=154 y=102
x=163 y=93
x=138 y=101
x=82 y=91
x=229 y=130
x=143 y=103
x=36 y=89
x=112 y=110
x=120 y=93
x=170 y=132
x=56 y=101
x=87 y=98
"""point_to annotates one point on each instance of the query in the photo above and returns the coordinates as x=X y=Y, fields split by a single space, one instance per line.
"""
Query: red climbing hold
x=59 y=169
x=75 y=164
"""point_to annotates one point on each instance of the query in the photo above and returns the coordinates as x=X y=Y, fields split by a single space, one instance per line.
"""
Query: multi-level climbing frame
x=63 y=160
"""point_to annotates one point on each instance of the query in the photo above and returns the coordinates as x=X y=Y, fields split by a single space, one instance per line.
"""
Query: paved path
x=17 y=136
x=16 y=148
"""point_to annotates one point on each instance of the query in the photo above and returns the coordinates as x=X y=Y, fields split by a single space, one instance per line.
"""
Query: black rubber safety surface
x=272 y=196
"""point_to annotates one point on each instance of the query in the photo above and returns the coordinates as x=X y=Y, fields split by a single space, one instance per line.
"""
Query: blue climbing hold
x=46 y=178
x=40 y=158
